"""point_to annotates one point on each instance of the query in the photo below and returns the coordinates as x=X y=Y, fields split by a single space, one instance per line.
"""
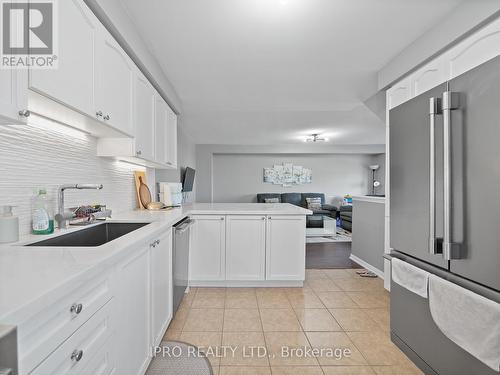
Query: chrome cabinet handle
x=76 y=308
x=106 y=117
x=263 y=218
x=222 y=218
x=98 y=113
x=24 y=113
x=450 y=102
x=157 y=242
x=435 y=109
x=138 y=152
x=77 y=355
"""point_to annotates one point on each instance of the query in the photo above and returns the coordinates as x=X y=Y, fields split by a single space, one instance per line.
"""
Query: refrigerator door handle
x=435 y=109
x=450 y=102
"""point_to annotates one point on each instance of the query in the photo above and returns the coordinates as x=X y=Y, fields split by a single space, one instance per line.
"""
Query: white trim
x=368 y=266
x=246 y=283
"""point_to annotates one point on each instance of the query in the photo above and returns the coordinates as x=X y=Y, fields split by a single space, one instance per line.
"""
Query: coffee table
x=329 y=228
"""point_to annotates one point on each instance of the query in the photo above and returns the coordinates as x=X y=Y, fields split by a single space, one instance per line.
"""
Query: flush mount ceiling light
x=316 y=138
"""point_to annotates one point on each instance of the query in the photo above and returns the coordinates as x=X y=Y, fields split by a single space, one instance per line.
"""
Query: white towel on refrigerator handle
x=410 y=277
x=469 y=320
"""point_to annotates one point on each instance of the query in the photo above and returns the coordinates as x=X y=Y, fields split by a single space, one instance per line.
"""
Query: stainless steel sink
x=90 y=237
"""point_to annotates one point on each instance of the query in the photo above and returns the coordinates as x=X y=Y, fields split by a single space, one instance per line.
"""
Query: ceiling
x=273 y=71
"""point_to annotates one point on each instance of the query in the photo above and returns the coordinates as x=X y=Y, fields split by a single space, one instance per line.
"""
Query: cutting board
x=138 y=174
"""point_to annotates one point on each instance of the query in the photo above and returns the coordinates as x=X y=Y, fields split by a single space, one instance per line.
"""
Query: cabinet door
x=399 y=93
x=13 y=93
x=286 y=248
x=207 y=250
x=171 y=138
x=161 y=286
x=114 y=84
x=72 y=83
x=144 y=117
x=245 y=247
x=133 y=313
x=160 y=130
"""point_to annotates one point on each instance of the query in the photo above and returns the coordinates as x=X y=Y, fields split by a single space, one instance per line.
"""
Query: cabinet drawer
x=43 y=333
x=87 y=351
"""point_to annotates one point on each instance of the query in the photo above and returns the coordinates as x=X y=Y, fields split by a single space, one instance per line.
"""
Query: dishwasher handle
x=184 y=226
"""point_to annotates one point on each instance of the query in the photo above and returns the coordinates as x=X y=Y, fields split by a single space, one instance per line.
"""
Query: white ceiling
x=271 y=71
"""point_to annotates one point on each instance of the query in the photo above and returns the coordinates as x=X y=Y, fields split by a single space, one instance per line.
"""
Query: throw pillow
x=272 y=200
x=313 y=203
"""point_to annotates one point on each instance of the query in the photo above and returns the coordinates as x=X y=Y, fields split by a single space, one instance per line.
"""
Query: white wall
x=186 y=157
x=32 y=156
x=239 y=177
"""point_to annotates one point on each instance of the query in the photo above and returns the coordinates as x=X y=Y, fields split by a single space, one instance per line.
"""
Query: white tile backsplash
x=32 y=156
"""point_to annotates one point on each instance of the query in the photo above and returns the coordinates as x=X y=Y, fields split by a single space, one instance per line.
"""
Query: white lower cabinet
x=208 y=247
x=245 y=247
x=161 y=286
x=241 y=249
x=88 y=351
x=285 y=248
x=133 y=313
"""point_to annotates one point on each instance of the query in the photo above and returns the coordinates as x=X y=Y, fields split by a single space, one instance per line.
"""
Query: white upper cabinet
x=13 y=94
x=72 y=83
x=144 y=114
x=476 y=49
x=171 y=136
x=114 y=84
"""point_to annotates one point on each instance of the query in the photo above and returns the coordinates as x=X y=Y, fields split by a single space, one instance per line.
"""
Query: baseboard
x=247 y=283
x=368 y=266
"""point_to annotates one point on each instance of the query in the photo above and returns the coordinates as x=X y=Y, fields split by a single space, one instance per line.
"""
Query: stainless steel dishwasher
x=181 y=260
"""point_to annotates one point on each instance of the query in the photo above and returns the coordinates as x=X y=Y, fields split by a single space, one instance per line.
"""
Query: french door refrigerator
x=445 y=207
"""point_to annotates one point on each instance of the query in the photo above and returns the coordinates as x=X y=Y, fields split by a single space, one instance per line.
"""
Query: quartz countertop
x=31 y=278
x=369 y=198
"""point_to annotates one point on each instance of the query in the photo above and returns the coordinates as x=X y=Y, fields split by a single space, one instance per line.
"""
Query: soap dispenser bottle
x=9 y=225
x=42 y=217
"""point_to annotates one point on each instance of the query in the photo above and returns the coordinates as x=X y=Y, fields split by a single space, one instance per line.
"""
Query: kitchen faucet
x=63 y=216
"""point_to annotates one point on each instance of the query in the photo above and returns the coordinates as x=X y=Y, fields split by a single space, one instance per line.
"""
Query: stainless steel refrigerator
x=445 y=207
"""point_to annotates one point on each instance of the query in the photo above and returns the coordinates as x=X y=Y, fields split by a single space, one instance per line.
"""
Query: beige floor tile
x=242 y=320
x=209 y=300
x=279 y=320
x=297 y=290
x=177 y=324
x=377 y=348
x=275 y=300
x=397 y=370
x=370 y=299
x=242 y=342
x=240 y=290
x=204 y=320
x=244 y=370
x=322 y=285
x=207 y=342
x=336 y=300
x=312 y=274
x=345 y=352
x=354 y=320
x=291 y=341
x=337 y=274
x=205 y=291
x=241 y=300
x=360 y=284
x=297 y=370
x=317 y=320
x=305 y=300
x=381 y=316
x=171 y=335
x=347 y=370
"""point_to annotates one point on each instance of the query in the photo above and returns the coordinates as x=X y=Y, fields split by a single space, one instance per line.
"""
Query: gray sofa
x=346 y=217
x=299 y=199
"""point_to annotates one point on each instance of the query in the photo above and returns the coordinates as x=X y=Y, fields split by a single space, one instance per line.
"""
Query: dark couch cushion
x=321 y=212
x=293 y=198
x=312 y=195
x=261 y=198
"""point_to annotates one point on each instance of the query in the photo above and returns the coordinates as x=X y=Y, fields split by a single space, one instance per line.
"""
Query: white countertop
x=367 y=198
x=32 y=277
